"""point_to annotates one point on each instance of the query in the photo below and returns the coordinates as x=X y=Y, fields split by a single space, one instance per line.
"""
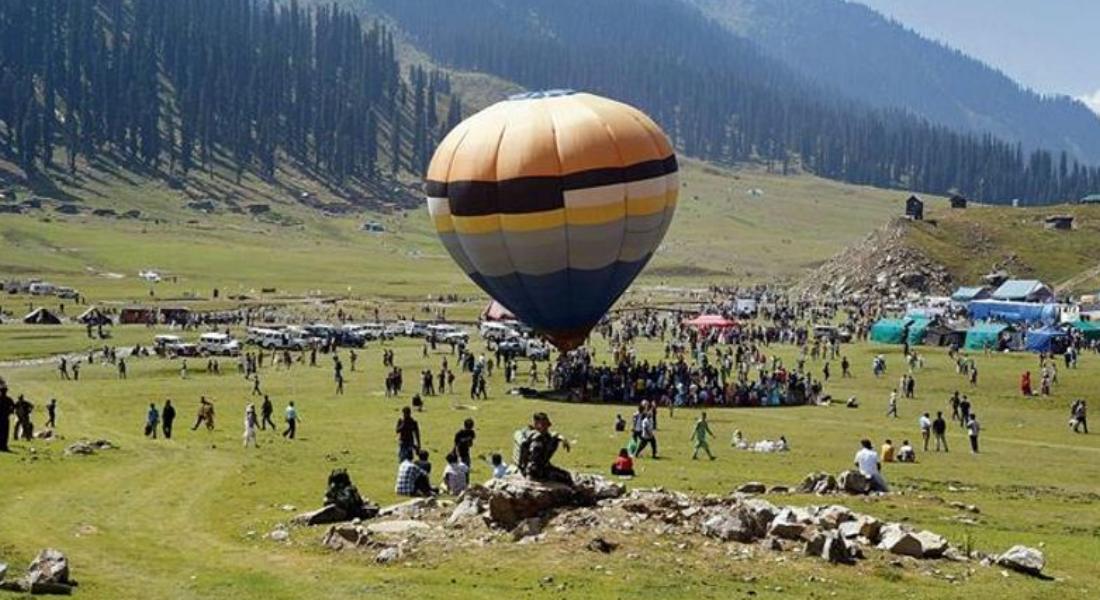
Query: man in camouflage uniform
x=537 y=448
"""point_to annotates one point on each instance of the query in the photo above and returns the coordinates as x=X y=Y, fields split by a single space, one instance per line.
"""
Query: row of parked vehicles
x=514 y=338
x=509 y=337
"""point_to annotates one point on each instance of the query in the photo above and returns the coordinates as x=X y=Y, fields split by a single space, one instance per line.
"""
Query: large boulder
x=898 y=540
x=591 y=488
x=409 y=508
x=932 y=545
x=864 y=526
x=854 y=482
x=399 y=528
x=469 y=507
x=515 y=498
x=817 y=483
x=833 y=516
x=761 y=513
x=1023 y=559
x=49 y=567
x=790 y=524
x=733 y=526
x=831 y=547
x=329 y=513
x=752 y=487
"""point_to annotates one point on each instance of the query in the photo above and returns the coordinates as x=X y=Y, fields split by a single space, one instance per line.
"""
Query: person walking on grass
x=167 y=417
x=892 y=407
x=7 y=407
x=699 y=435
x=973 y=429
x=152 y=420
x=292 y=419
x=648 y=435
x=250 y=423
x=51 y=414
x=266 y=410
x=206 y=415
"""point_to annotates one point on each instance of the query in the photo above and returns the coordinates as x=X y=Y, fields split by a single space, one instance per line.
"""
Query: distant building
x=1059 y=222
x=969 y=294
x=914 y=208
x=1091 y=199
x=1024 y=290
x=958 y=201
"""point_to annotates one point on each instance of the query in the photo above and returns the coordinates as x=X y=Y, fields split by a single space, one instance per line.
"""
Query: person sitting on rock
x=538 y=448
x=623 y=465
x=412 y=480
x=456 y=475
x=500 y=470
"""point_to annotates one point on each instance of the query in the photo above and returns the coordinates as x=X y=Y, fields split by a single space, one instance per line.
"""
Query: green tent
x=917 y=330
x=1089 y=330
x=889 y=331
x=982 y=335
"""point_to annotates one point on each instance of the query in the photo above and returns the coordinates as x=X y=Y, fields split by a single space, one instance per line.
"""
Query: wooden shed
x=914 y=208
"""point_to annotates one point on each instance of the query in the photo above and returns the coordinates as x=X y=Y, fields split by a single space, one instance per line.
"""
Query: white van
x=219 y=344
x=496 y=332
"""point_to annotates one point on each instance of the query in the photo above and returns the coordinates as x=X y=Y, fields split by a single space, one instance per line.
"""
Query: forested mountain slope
x=722 y=99
x=857 y=51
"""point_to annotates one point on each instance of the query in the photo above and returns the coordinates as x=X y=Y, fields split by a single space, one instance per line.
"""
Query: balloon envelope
x=553 y=203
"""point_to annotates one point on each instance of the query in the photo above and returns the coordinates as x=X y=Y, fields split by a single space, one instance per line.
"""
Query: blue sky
x=1051 y=46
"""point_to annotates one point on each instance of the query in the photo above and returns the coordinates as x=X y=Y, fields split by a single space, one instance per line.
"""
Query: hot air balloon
x=553 y=202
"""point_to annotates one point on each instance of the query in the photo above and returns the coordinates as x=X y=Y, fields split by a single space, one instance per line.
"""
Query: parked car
x=495 y=331
x=163 y=344
x=219 y=344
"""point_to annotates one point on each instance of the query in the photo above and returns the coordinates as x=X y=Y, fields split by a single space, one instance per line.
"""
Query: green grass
x=720 y=233
x=971 y=242
x=172 y=519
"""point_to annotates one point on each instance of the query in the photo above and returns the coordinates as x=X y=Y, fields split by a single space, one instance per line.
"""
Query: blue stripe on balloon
x=537 y=299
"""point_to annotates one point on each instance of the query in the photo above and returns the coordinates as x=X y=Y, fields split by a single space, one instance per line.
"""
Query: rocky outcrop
x=882 y=265
x=1023 y=559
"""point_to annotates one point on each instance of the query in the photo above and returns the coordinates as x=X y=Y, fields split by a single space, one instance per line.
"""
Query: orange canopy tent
x=710 y=322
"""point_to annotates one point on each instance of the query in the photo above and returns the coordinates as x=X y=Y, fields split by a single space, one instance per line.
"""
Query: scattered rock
x=513 y=499
x=388 y=555
x=817 y=483
x=898 y=540
x=601 y=545
x=779 y=489
x=1023 y=559
x=330 y=513
x=49 y=570
x=80 y=449
x=409 y=508
x=731 y=527
x=752 y=487
x=854 y=482
x=279 y=535
x=3 y=570
x=398 y=528
x=863 y=526
x=932 y=545
x=527 y=528
x=346 y=537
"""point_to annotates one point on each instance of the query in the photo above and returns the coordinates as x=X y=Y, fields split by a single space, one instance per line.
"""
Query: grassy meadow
x=185 y=518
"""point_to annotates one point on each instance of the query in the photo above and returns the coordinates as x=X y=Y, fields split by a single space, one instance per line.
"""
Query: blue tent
x=1047 y=339
x=1013 y=312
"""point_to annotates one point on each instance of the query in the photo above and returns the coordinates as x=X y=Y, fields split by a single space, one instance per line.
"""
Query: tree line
x=720 y=98
x=179 y=85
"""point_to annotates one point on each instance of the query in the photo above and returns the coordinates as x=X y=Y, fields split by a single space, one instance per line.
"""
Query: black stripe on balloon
x=538 y=194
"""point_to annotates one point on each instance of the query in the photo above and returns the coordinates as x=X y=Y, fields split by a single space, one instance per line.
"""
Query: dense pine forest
x=724 y=100
x=172 y=86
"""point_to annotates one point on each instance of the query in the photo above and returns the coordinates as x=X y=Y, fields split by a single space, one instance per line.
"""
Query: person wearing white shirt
x=456 y=475
x=973 y=428
x=925 y=429
x=868 y=464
